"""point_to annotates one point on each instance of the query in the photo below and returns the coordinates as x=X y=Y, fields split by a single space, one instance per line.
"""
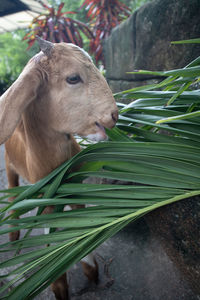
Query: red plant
x=104 y=16
x=54 y=26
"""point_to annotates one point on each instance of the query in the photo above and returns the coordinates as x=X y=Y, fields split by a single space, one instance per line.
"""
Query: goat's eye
x=73 y=79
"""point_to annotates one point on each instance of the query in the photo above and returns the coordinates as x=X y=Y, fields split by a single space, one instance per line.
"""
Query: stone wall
x=143 y=41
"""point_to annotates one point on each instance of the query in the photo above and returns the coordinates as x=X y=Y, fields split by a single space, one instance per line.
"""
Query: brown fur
x=40 y=113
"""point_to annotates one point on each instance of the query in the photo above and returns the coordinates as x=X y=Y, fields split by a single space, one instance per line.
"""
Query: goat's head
x=72 y=95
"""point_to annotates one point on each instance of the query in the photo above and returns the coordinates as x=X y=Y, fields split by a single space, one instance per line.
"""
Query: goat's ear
x=45 y=46
x=14 y=101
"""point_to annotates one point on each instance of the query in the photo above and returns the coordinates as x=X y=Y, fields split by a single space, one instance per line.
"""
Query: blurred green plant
x=104 y=15
x=74 y=5
x=161 y=159
x=56 y=26
x=70 y=6
x=13 y=57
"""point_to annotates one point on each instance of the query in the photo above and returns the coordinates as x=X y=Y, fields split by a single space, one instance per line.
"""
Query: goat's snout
x=115 y=116
x=113 y=119
x=110 y=120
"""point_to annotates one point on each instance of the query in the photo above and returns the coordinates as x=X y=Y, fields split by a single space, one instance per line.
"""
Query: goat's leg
x=90 y=267
x=13 y=181
x=60 y=285
x=89 y=263
x=60 y=288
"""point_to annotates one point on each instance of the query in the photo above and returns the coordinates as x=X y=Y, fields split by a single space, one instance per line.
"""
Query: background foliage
x=74 y=5
x=13 y=54
x=13 y=57
x=104 y=15
x=57 y=26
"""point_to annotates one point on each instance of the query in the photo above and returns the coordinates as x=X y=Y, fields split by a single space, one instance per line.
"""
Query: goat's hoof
x=61 y=294
x=60 y=288
x=14 y=236
x=92 y=272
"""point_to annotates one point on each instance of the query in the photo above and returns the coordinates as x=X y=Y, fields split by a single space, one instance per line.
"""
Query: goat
x=59 y=93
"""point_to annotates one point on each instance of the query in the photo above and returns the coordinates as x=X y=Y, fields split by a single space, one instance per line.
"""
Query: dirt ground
x=133 y=266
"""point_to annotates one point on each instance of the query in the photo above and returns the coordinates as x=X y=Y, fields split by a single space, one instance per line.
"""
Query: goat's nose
x=115 y=116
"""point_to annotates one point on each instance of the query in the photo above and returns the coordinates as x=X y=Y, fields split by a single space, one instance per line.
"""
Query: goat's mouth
x=101 y=128
x=100 y=134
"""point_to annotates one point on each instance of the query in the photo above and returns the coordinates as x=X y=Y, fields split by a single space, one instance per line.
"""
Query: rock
x=119 y=51
x=143 y=41
x=177 y=226
x=160 y=22
x=121 y=85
